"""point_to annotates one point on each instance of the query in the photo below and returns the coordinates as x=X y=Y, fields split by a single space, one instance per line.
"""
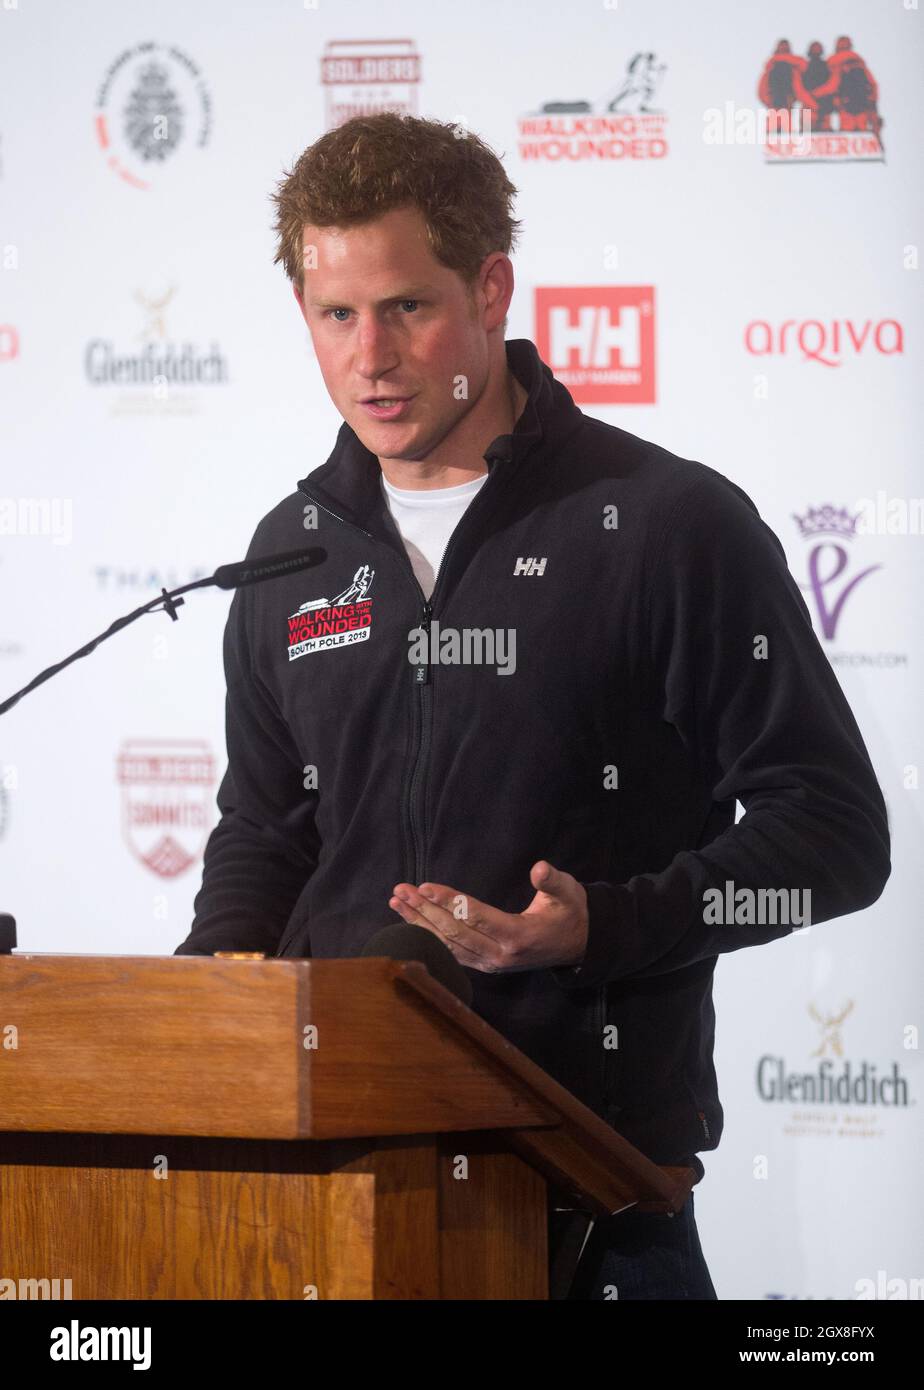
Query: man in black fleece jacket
x=521 y=717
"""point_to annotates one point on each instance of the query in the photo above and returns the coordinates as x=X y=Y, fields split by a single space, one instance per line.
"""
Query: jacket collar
x=348 y=483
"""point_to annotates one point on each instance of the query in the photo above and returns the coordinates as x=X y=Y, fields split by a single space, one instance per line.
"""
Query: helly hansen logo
x=529 y=564
x=599 y=341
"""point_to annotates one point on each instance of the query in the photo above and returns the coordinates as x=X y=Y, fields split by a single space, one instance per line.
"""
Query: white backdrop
x=778 y=296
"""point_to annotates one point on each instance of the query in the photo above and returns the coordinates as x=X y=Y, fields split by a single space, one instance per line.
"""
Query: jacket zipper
x=423 y=682
x=423 y=711
x=415 y=817
x=416 y=828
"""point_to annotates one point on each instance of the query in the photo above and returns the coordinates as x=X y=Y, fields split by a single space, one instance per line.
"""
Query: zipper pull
x=422 y=672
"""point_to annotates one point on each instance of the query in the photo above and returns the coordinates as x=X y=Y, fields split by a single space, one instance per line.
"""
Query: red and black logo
x=323 y=624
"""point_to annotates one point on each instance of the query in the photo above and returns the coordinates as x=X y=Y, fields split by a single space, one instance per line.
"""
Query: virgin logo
x=824 y=342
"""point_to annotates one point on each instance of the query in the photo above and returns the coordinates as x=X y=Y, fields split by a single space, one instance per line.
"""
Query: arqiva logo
x=325 y=623
x=824 y=342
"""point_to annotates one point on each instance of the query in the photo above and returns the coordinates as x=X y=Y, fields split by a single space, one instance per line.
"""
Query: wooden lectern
x=195 y=1128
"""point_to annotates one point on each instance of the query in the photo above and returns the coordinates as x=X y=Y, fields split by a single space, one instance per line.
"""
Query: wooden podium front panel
x=230 y=1218
x=494 y=1231
x=258 y=1219
x=458 y=1218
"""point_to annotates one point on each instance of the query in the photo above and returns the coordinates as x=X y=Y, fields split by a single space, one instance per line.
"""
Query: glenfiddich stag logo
x=166 y=801
x=830 y=1025
x=154 y=305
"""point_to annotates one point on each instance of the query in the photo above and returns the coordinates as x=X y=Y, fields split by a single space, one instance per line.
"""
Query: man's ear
x=495 y=284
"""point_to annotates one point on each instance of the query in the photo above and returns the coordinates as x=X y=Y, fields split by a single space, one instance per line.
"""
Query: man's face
x=389 y=321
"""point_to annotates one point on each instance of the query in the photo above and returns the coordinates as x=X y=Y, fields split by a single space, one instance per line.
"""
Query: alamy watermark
x=889 y=516
x=37 y=516
x=11 y=1289
x=467 y=646
x=757 y=907
x=748 y=125
x=86 y=1343
x=889 y=1288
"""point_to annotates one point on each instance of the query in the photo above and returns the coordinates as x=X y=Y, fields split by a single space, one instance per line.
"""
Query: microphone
x=232 y=576
x=404 y=941
x=242 y=572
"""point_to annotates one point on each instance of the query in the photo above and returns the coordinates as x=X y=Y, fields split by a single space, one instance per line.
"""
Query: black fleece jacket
x=664 y=668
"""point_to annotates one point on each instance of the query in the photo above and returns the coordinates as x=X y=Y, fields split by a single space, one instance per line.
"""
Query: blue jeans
x=644 y=1255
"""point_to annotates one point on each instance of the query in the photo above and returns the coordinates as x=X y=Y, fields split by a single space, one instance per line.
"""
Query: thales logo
x=599 y=341
x=832 y=1079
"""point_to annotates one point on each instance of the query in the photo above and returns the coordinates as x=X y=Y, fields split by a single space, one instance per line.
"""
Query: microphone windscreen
x=404 y=941
x=241 y=572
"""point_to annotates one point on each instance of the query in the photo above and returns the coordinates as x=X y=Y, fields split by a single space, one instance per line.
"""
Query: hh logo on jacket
x=323 y=623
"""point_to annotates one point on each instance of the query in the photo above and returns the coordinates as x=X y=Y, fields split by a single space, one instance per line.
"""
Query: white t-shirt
x=426 y=518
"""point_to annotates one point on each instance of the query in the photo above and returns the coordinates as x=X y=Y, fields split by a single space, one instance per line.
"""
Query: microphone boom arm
x=226 y=577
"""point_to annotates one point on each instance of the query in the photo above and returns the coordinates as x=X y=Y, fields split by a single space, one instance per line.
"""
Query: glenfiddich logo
x=323 y=624
x=833 y=1079
x=166 y=801
x=154 y=372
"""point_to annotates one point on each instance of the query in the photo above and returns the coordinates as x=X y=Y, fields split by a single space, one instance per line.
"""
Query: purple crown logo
x=827 y=521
